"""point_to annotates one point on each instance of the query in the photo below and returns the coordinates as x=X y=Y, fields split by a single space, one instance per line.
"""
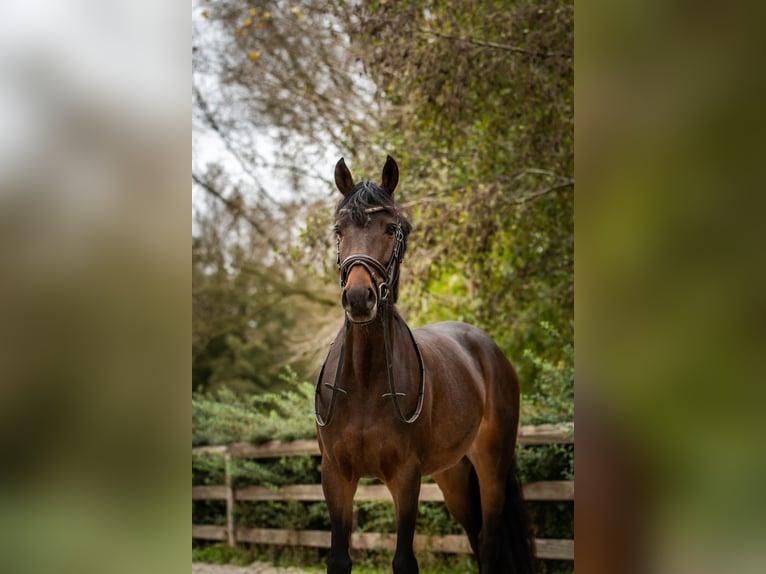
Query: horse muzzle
x=360 y=289
x=360 y=303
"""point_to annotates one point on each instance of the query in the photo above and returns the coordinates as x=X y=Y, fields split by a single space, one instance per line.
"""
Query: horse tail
x=521 y=544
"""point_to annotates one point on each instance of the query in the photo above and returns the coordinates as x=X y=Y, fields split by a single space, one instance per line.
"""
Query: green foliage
x=209 y=512
x=545 y=462
x=207 y=469
x=229 y=346
x=552 y=396
x=485 y=89
x=549 y=519
x=275 y=473
x=222 y=554
x=475 y=100
x=247 y=303
x=289 y=515
x=308 y=558
x=240 y=421
x=377 y=562
x=224 y=416
x=434 y=519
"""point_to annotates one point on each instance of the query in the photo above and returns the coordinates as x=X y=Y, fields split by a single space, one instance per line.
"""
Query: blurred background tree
x=475 y=101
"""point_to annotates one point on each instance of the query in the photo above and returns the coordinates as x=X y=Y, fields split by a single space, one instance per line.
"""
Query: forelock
x=365 y=197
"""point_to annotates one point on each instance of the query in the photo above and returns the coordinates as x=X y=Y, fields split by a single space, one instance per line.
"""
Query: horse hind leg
x=460 y=487
x=505 y=545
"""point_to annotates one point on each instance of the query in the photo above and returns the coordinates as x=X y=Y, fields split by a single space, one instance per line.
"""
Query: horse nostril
x=359 y=301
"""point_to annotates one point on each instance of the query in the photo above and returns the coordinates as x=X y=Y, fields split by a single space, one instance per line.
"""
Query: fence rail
x=537 y=491
x=528 y=435
x=544 y=490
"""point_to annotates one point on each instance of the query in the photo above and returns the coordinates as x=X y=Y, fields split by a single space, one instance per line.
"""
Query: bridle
x=390 y=276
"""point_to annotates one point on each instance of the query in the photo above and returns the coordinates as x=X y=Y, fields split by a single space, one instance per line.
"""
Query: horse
x=399 y=404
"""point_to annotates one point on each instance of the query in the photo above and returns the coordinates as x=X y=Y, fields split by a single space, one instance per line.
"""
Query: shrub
x=224 y=417
x=552 y=399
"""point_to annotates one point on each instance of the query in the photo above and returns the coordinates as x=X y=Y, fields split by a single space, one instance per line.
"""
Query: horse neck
x=365 y=348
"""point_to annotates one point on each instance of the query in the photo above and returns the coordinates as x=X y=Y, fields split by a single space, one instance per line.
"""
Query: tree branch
x=539 y=194
x=236 y=209
x=207 y=114
x=495 y=45
x=293 y=289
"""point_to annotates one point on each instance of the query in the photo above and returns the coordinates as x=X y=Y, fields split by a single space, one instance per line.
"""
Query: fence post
x=230 y=533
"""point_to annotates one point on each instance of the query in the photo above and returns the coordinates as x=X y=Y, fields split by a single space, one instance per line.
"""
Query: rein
x=389 y=276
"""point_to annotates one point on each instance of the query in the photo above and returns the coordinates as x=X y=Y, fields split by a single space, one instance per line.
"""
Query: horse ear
x=390 y=175
x=343 y=178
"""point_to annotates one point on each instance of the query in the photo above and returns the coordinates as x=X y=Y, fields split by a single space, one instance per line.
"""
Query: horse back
x=471 y=352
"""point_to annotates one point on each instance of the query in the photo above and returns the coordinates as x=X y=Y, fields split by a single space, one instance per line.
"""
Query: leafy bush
x=552 y=399
x=435 y=520
x=274 y=473
x=375 y=516
x=221 y=554
x=545 y=462
x=287 y=514
x=224 y=417
x=209 y=512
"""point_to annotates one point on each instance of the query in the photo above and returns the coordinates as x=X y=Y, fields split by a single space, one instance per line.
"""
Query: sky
x=209 y=148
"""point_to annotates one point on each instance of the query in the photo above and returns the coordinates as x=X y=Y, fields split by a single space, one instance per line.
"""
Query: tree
x=272 y=86
x=248 y=307
x=475 y=101
x=480 y=113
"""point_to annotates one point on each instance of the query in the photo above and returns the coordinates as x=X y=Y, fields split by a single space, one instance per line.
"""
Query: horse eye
x=391 y=229
x=337 y=231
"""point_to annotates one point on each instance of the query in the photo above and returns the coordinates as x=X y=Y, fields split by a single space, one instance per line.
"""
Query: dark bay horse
x=396 y=404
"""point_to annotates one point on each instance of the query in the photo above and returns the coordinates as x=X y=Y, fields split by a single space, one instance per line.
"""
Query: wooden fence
x=528 y=435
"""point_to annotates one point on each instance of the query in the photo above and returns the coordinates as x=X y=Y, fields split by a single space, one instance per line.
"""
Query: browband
x=368 y=210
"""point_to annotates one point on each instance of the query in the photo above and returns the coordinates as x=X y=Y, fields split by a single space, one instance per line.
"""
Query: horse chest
x=369 y=452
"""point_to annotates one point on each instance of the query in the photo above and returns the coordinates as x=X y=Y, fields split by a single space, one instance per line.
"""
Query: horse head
x=372 y=238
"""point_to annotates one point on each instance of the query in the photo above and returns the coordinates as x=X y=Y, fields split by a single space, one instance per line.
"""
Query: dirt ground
x=254 y=568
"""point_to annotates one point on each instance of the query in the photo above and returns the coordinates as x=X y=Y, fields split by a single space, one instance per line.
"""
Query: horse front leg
x=339 y=494
x=405 y=488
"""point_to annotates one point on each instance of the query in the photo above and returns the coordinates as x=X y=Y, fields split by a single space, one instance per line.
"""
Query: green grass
x=222 y=554
x=311 y=561
x=373 y=562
